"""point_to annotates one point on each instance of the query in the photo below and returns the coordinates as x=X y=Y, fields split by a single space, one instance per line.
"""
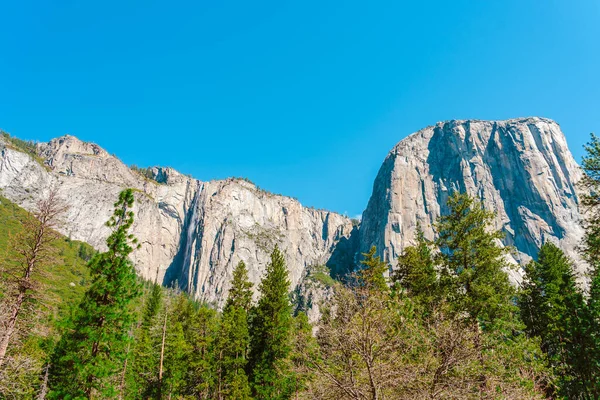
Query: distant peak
x=73 y=145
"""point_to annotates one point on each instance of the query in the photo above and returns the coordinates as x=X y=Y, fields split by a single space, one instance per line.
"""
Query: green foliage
x=62 y=282
x=240 y=293
x=93 y=347
x=234 y=338
x=65 y=279
x=145 y=173
x=143 y=360
x=416 y=272
x=472 y=263
x=270 y=344
x=590 y=200
x=321 y=274
x=28 y=147
x=372 y=273
x=548 y=297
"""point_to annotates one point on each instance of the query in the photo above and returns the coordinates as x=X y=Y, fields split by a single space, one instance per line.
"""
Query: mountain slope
x=190 y=231
x=195 y=232
x=520 y=168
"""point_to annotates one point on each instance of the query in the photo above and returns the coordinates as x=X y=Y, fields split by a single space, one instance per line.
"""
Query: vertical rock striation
x=194 y=233
x=520 y=168
x=190 y=231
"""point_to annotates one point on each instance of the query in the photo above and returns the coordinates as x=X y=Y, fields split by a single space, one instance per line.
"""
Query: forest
x=445 y=322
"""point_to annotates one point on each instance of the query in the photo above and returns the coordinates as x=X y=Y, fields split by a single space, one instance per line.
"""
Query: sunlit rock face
x=190 y=232
x=520 y=168
x=193 y=233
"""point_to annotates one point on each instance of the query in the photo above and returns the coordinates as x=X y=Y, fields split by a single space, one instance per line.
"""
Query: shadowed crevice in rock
x=178 y=270
x=447 y=174
x=343 y=257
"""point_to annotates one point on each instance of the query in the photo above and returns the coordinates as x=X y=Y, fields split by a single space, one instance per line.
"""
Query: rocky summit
x=194 y=232
x=520 y=168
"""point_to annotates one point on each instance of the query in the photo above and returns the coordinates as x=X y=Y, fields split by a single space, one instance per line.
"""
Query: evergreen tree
x=93 y=347
x=590 y=200
x=240 y=293
x=372 y=274
x=472 y=262
x=142 y=372
x=473 y=280
x=233 y=339
x=177 y=350
x=416 y=272
x=200 y=327
x=551 y=308
x=270 y=343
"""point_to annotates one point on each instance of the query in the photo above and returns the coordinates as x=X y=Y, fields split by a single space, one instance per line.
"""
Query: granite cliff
x=520 y=168
x=195 y=232
x=190 y=231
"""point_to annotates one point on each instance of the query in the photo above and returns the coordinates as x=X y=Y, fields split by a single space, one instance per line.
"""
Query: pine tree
x=93 y=347
x=372 y=274
x=199 y=328
x=270 y=343
x=472 y=262
x=141 y=375
x=233 y=339
x=551 y=308
x=590 y=201
x=473 y=279
x=416 y=272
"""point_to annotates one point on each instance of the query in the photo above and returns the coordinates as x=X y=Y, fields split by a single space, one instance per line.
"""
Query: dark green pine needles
x=94 y=345
x=233 y=339
x=271 y=326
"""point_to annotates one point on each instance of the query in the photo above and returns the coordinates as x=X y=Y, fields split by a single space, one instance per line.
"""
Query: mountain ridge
x=194 y=231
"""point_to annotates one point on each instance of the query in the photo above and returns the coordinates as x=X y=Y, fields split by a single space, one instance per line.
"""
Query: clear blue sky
x=305 y=98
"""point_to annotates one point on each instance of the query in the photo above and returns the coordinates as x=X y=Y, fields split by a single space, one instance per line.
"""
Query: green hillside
x=63 y=284
x=64 y=281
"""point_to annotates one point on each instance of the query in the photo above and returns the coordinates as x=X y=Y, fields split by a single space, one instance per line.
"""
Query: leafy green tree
x=372 y=274
x=234 y=338
x=93 y=347
x=270 y=343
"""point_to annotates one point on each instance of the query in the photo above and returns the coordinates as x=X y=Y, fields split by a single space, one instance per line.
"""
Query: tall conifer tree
x=591 y=252
x=473 y=279
x=372 y=274
x=93 y=347
x=416 y=272
x=141 y=374
x=233 y=339
x=271 y=327
x=552 y=309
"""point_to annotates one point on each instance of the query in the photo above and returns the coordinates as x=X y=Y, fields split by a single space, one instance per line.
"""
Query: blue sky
x=304 y=98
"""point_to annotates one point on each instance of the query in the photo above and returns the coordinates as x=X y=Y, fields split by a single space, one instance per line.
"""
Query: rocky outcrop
x=520 y=168
x=190 y=231
x=195 y=232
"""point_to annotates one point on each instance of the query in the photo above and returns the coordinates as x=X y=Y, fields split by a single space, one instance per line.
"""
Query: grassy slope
x=66 y=280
